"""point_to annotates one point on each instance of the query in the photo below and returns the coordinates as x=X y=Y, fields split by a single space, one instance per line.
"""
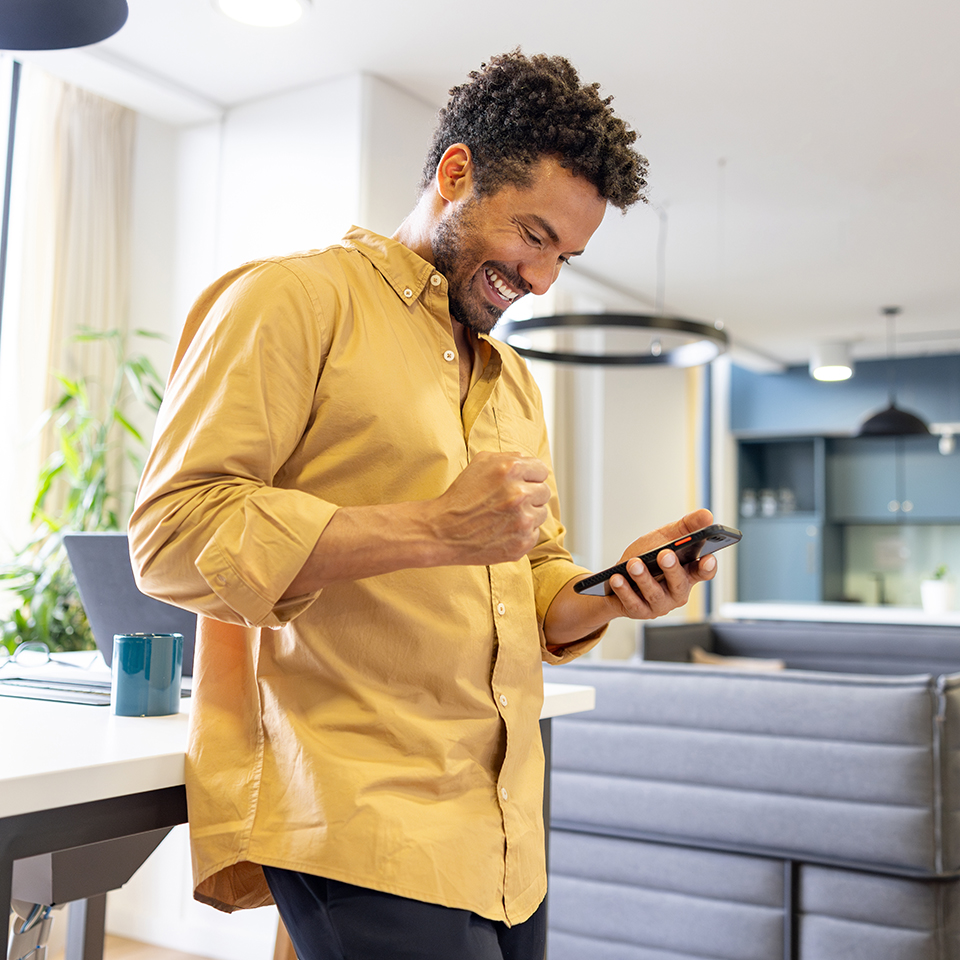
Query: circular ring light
x=703 y=342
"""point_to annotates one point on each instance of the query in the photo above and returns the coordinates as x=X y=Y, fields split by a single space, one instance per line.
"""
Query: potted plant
x=90 y=424
x=936 y=594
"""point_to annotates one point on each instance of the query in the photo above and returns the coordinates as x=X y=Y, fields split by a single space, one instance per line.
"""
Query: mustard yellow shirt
x=384 y=731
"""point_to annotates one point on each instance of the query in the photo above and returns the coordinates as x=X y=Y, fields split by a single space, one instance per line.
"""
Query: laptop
x=113 y=604
x=112 y=601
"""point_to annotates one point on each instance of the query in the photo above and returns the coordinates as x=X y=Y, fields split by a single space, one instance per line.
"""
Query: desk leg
x=86 y=923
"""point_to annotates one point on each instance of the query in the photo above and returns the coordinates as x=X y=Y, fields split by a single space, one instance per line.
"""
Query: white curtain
x=67 y=267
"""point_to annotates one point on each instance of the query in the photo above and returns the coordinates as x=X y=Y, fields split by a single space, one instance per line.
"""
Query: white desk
x=72 y=776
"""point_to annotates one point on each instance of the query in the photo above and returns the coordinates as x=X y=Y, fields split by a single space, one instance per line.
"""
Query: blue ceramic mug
x=147 y=670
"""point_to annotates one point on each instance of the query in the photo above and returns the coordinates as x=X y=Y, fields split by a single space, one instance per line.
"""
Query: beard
x=456 y=245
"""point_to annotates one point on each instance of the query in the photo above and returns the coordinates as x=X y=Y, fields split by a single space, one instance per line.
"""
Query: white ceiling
x=804 y=156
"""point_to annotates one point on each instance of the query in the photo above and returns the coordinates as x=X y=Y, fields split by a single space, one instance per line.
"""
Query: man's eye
x=532 y=238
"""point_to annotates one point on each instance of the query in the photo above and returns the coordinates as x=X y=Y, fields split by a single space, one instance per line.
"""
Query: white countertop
x=54 y=754
x=837 y=613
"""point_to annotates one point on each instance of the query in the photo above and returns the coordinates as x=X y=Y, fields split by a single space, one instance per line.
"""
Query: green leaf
x=89 y=423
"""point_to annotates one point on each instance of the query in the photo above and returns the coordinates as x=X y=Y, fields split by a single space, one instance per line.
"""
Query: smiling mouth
x=500 y=287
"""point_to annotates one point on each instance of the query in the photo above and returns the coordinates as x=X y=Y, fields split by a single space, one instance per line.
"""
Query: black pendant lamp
x=58 y=24
x=892 y=421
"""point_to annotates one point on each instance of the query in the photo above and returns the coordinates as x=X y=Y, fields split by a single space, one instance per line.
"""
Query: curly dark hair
x=517 y=109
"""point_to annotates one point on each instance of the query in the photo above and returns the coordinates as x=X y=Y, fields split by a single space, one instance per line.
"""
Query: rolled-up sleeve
x=214 y=529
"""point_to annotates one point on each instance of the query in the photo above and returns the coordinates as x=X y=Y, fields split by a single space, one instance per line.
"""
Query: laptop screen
x=112 y=601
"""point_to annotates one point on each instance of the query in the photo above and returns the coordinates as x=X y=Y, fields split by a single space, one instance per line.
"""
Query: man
x=350 y=483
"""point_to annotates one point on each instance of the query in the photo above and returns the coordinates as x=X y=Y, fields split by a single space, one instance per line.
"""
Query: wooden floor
x=118 y=948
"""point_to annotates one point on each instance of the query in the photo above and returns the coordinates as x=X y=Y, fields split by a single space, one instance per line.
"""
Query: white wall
x=396 y=134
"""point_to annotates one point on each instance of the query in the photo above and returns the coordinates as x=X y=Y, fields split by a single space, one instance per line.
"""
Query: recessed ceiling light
x=263 y=13
x=831 y=361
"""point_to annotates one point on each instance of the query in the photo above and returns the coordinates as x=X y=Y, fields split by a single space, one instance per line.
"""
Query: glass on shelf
x=748 y=502
x=768 y=503
x=786 y=500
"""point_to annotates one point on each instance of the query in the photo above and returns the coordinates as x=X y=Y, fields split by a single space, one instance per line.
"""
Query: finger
x=633 y=604
x=653 y=599
x=696 y=520
x=539 y=494
x=706 y=569
x=530 y=469
x=676 y=579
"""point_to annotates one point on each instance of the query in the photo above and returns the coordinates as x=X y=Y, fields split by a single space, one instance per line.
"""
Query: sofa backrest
x=855 y=770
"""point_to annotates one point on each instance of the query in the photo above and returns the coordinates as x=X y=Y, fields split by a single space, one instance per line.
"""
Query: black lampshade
x=58 y=24
x=892 y=422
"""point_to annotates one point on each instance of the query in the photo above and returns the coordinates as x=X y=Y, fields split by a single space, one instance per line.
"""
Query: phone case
x=691 y=547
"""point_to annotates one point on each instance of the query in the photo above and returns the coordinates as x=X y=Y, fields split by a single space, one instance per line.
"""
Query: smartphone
x=688 y=548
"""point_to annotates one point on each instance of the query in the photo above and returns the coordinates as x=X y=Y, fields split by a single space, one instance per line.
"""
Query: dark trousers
x=329 y=920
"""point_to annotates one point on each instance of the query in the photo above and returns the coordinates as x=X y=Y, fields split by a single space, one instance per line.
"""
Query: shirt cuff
x=548 y=579
x=255 y=554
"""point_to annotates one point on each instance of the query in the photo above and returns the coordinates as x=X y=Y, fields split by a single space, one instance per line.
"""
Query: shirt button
x=221 y=579
x=501 y=609
x=503 y=792
x=449 y=356
x=503 y=700
x=435 y=280
x=408 y=293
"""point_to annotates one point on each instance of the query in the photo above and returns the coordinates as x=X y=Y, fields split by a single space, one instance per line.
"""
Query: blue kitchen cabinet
x=890 y=480
x=781 y=559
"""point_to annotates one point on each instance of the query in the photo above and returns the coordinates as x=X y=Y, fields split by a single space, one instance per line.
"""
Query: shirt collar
x=406 y=272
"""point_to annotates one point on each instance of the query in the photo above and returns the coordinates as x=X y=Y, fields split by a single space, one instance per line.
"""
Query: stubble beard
x=453 y=243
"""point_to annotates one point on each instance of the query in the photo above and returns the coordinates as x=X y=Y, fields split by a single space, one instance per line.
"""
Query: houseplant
x=936 y=594
x=77 y=490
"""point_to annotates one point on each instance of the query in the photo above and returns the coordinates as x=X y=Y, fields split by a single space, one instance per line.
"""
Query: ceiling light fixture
x=673 y=341
x=58 y=24
x=831 y=361
x=892 y=421
x=948 y=432
x=620 y=339
x=263 y=13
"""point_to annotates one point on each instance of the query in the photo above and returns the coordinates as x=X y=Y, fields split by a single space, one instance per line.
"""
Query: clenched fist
x=493 y=511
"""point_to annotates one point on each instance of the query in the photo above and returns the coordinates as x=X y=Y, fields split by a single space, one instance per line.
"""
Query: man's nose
x=540 y=273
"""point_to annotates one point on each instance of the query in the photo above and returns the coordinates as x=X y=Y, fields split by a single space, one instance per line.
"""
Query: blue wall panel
x=781 y=404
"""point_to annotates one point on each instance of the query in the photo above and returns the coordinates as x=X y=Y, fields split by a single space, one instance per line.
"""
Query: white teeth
x=506 y=292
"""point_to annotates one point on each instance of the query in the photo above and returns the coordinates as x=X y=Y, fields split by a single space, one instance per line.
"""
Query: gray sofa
x=809 y=813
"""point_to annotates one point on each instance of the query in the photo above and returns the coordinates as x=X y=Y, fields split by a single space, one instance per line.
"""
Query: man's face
x=494 y=249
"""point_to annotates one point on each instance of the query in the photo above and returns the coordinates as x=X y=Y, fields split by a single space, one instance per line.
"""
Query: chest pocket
x=518 y=435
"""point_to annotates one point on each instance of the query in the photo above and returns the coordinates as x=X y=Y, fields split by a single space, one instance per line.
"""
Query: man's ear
x=454 y=178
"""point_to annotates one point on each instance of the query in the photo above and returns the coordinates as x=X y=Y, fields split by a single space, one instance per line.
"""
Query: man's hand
x=659 y=597
x=493 y=511
x=573 y=616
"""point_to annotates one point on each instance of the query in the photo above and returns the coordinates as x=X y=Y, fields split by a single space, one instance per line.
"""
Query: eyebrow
x=546 y=227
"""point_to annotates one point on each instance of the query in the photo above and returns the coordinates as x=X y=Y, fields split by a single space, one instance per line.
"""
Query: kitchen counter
x=837 y=613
